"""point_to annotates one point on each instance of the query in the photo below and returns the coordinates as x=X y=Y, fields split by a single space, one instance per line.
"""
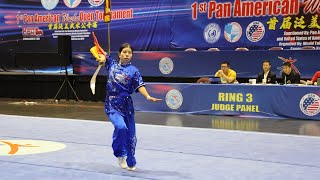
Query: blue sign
x=274 y=101
x=247 y=64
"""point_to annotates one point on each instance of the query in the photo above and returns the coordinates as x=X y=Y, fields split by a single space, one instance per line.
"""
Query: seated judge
x=268 y=76
x=288 y=75
x=227 y=75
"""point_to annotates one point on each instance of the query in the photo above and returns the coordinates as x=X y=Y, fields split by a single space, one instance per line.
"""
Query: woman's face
x=125 y=55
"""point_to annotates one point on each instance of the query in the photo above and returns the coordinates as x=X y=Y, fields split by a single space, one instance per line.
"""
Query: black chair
x=204 y=80
x=213 y=49
x=276 y=48
x=308 y=47
x=241 y=49
x=190 y=49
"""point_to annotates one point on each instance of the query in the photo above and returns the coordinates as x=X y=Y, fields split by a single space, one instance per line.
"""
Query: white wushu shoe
x=133 y=168
x=123 y=162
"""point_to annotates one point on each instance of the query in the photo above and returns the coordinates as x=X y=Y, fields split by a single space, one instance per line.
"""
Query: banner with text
x=258 y=24
x=233 y=99
x=144 y=24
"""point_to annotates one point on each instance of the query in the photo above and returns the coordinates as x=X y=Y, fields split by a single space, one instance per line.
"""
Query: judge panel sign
x=274 y=101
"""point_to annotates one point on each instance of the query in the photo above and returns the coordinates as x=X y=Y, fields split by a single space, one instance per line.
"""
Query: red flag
x=96 y=43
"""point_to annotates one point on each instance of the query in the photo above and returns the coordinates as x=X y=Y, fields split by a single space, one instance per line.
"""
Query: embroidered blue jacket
x=123 y=80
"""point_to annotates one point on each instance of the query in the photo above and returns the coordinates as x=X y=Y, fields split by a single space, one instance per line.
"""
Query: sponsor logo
x=96 y=2
x=212 y=33
x=174 y=99
x=255 y=31
x=309 y=104
x=49 y=4
x=32 y=32
x=291 y=61
x=24 y=147
x=232 y=32
x=72 y=3
x=166 y=65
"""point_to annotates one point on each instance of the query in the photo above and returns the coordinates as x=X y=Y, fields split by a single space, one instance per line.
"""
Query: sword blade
x=93 y=80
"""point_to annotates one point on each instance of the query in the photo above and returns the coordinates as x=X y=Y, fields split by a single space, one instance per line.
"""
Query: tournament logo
x=232 y=32
x=309 y=104
x=49 y=4
x=174 y=99
x=291 y=61
x=96 y=2
x=212 y=33
x=166 y=65
x=72 y=3
x=23 y=147
x=255 y=31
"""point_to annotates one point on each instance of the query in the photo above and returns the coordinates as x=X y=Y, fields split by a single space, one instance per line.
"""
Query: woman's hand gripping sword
x=100 y=56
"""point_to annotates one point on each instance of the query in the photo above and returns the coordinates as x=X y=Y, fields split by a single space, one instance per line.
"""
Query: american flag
x=255 y=31
x=311 y=105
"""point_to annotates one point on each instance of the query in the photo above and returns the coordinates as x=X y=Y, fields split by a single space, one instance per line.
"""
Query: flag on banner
x=107 y=13
x=311 y=105
x=256 y=31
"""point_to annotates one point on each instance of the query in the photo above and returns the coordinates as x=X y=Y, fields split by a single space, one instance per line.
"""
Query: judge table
x=274 y=101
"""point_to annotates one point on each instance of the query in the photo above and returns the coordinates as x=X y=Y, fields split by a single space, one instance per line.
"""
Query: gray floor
x=56 y=148
x=202 y=147
x=95 y=111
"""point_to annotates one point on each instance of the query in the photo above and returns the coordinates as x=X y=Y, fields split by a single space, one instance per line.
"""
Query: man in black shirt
x=267 y=75
x=289 y=76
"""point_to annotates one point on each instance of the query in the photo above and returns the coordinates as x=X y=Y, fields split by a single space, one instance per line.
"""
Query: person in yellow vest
x=227 y=75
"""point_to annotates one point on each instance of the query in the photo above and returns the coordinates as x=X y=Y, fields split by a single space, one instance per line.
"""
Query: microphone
x=285 y=79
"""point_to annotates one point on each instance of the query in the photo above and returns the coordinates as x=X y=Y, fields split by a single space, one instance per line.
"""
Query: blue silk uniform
x=123 y=80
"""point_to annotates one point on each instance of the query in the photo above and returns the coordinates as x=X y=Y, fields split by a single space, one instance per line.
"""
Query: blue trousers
x=124 y=136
